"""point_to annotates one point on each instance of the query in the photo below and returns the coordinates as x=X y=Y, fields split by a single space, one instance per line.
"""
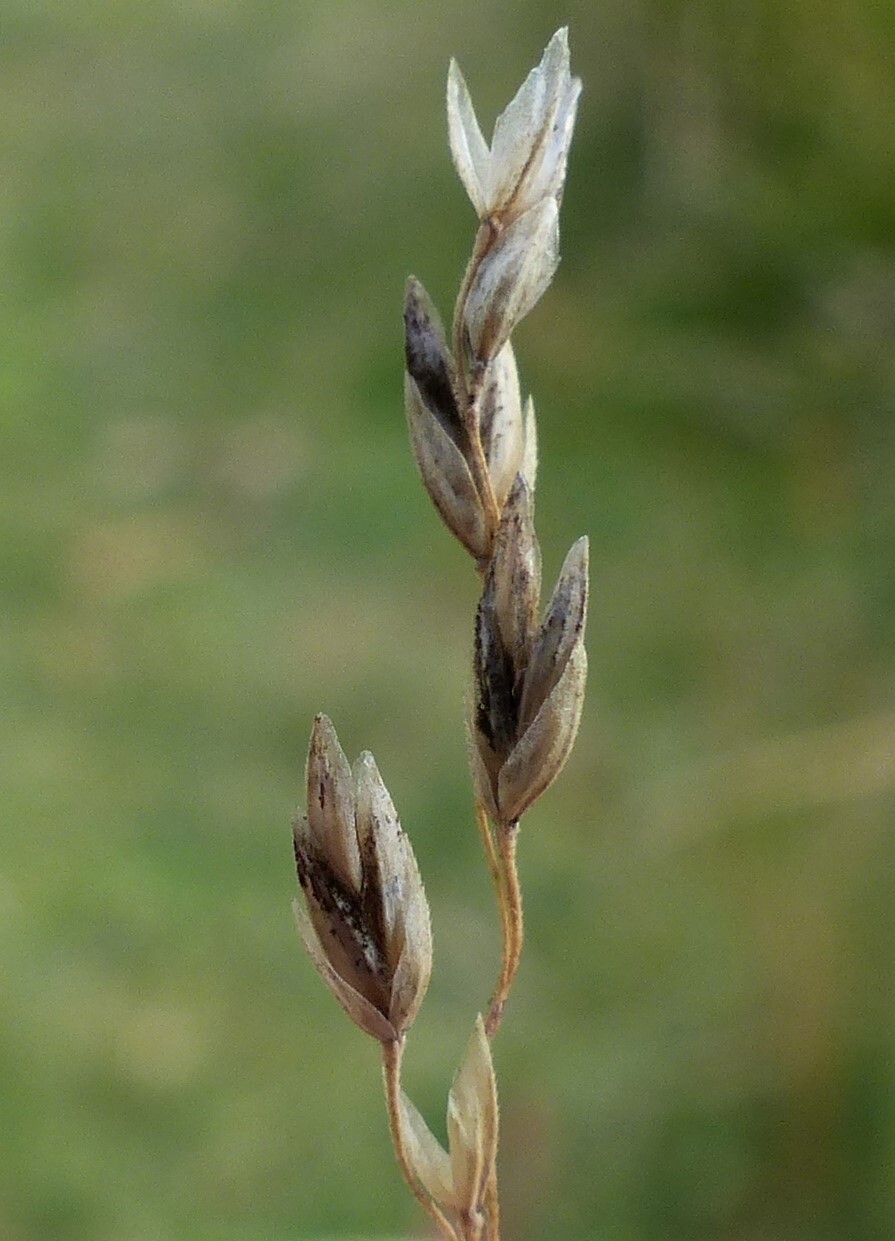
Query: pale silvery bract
x=458 y=1178
x=512 y=277
x=526 y=161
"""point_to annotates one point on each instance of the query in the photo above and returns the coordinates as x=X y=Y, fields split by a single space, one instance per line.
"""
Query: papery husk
x=542 y=751
x=360 y=1010
x=472 y=1122
x=445 y=474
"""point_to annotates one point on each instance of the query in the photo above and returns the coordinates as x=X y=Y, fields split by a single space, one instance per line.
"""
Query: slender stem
x=392 y=1055
x=472 y=1226
x=513 y=925
x=481 y=818
x=497 y=878
x=492 y=1198
x=477 y=464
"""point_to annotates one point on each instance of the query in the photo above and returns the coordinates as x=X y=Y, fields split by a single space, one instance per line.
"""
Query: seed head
x=526 y=162
x=529 y=679
x=366 y=921
x=437 y=432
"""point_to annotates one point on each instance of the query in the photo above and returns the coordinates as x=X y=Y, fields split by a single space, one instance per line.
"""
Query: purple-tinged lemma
x=366 y=925
x=440 y=437
x=365 y=920
x=529 y=678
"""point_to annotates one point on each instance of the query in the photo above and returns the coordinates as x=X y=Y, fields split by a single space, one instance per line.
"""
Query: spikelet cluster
x=364 y=918
x=529 y=677
x=475 y=442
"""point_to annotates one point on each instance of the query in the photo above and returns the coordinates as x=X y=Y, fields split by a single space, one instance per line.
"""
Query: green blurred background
x=212 y=528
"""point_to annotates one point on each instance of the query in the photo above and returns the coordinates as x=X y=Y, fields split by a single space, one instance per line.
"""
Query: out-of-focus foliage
x=211 y=528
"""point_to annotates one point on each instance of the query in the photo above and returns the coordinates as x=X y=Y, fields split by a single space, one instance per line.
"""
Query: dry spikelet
x=366 y=925
x=457 y=1179
x=469 y=431
x=502 y=424
x=365 y=920
x=472 y=1122
x=529 y=680
x=511 y=279
x=437 y=433
x=526 y=161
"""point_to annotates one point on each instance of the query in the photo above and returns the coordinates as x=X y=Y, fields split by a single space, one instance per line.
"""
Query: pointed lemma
x=457 y=1179
x=530 y=679
x=365 y=921
x=438 y=435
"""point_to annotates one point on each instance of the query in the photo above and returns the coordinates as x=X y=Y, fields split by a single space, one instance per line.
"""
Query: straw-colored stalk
x=365 y=920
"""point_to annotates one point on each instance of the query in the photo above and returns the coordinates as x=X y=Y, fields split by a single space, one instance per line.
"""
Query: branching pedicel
x=366 y=921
